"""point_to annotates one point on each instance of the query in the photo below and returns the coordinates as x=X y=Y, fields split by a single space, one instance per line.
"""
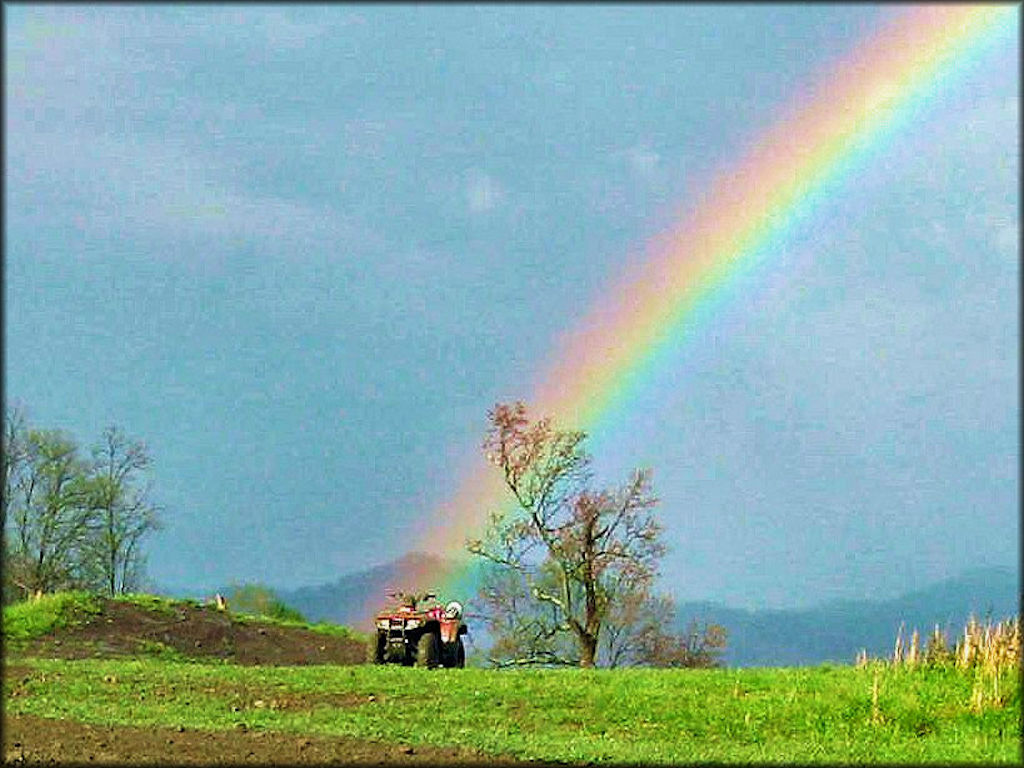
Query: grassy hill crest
x=83 y=625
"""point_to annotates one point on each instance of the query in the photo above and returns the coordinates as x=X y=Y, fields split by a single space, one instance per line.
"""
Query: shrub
x=259 y=600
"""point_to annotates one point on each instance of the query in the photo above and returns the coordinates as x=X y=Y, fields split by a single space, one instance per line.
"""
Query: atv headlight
x=412 y=623
x=383 y=624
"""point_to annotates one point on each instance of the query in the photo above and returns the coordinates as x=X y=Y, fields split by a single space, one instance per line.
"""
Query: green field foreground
x=802 y=715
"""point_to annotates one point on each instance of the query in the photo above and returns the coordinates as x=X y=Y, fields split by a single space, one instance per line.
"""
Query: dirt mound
x=126 y=629
x=29 y=740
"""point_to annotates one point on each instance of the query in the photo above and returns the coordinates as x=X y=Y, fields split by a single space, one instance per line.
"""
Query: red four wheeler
x=418 y=630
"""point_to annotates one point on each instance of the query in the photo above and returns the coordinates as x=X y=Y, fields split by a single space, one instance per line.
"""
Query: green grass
x=335 y=630
x=804 y=715
x=155 y=603
x=24 y=621
x=156 y=649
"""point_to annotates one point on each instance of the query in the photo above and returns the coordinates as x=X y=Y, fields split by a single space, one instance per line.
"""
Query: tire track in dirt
x=29 y=740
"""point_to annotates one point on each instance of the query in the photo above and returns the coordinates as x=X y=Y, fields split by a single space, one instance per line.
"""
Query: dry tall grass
x=990 y=646
x=988 y=651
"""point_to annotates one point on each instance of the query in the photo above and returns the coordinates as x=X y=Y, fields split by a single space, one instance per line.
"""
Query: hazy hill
x=834 y=631
x=837 y=630
x=343 y=601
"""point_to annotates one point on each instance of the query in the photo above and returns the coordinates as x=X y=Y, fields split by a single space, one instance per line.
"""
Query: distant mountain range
x=345 y=600
x=835 y=631
x=831 y=632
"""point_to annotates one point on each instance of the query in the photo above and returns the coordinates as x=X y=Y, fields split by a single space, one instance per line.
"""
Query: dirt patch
x=125 y=629
x=244 y=698
x=240 y=698
x=29 y=740
x=16 y=671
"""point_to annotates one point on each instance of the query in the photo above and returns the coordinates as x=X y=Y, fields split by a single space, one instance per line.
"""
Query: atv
x=418 y=630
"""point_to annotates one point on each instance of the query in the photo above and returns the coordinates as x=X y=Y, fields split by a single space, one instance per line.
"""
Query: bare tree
x=525 y=631
x=639 y=633
x=629 y=622
x=69 y=522
x=13 y=459
x=697 y=646
x=575 y=550
x=123 y=514
x=49 y=512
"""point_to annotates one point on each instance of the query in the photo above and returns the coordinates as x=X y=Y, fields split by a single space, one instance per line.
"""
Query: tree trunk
x=588 y=648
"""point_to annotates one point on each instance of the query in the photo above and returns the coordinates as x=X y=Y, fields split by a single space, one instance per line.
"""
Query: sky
x=300 y=251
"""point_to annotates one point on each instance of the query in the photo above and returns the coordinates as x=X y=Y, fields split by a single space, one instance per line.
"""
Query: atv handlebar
x=411 y=598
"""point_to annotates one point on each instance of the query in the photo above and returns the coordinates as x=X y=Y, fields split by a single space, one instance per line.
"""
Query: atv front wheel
x=453 y=655
x=460 y=655
x=427 y=650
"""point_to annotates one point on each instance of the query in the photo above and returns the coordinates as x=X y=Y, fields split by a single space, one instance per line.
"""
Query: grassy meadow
x=876 y=711
x=822 y=714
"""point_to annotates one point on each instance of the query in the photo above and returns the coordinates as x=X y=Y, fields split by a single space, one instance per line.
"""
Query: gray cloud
x=451 y=189
x=156 y=188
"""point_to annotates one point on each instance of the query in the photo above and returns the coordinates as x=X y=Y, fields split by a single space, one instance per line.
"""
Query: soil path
x=29 y=740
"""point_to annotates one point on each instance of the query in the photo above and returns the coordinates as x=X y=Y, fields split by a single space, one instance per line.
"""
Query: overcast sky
x=300 y=251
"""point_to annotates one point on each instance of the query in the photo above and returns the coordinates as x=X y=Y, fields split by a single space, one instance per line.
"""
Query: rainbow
x=831 y=128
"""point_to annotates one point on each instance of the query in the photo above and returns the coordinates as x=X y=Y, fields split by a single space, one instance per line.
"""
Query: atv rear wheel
x=427 y=650
x=376 y=648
